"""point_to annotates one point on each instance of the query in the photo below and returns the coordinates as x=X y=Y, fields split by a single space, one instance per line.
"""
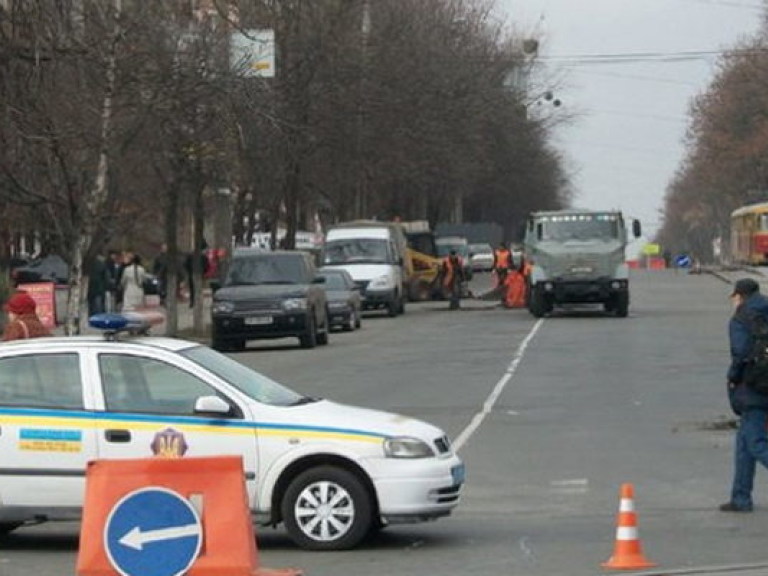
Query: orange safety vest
x=448 y=269
x=501 y=258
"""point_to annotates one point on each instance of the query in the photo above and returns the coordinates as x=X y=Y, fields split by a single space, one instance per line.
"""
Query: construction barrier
x=168 y=517
x=627 y=553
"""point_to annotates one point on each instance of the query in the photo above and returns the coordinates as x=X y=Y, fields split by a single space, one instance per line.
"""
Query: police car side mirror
x=215 y=285
x=212 y=405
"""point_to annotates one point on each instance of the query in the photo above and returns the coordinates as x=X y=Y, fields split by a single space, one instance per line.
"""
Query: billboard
x=252 y=53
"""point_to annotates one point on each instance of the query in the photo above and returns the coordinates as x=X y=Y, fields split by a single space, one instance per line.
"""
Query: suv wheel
x=327 y=508
x=322 y=337
x=309 y=338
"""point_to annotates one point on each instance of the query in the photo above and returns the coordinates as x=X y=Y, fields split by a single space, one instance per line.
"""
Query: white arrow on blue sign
x=683 y=261
x=153 y=531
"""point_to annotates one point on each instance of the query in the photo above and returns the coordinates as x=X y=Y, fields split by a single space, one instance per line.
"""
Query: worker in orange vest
x=502 y=262
x=516 y=285
x=453 y=276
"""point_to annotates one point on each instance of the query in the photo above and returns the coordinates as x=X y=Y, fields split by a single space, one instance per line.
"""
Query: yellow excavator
x=425 y=279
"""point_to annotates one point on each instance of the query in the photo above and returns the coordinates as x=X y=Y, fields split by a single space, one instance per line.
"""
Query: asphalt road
x=550 y=416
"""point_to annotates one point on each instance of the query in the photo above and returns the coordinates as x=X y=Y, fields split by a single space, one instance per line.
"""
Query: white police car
x=330 y=472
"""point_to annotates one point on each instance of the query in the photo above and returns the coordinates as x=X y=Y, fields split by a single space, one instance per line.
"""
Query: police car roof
x=60 y=342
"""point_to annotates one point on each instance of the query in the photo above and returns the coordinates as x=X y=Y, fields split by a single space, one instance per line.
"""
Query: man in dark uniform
x=751 y=440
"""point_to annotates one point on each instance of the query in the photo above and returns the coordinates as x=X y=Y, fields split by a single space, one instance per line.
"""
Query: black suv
x=269 y=295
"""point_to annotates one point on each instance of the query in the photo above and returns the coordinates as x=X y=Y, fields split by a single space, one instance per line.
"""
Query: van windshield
x=358 y=251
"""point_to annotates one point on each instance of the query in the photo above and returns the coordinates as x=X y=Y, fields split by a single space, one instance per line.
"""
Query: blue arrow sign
x=683 y=261
x=153 y=532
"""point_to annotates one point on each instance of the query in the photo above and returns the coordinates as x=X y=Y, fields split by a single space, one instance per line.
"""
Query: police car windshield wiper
x=304 y=400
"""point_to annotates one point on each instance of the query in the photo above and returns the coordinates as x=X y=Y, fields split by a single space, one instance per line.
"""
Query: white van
x=376 y=256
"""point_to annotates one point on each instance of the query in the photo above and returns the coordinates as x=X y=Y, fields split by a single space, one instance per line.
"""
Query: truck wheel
x=538 y=304
x=622 y=305
x=327 y=508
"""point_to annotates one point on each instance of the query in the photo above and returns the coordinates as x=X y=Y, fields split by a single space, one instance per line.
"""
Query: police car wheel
x=327 y=508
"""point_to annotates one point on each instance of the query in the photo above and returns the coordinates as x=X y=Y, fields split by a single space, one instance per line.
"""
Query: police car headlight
x=295 y=304
x=223 y=307
x=405 y=447
x=382 y=283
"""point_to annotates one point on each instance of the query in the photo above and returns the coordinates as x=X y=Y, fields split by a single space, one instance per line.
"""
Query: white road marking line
x=570 y=486
x=478 y=418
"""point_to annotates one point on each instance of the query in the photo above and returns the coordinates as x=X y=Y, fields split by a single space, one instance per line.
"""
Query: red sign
x=44 y=295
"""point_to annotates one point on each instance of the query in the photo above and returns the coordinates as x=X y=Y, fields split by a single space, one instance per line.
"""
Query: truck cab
x=578 y=256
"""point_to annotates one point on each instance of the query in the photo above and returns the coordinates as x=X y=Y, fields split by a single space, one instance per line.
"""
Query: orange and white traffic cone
x=627 y=552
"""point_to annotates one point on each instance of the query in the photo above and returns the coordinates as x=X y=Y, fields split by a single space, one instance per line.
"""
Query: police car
x=330 y=473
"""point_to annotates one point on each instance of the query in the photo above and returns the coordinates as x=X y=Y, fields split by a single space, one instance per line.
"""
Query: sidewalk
x=184 y=315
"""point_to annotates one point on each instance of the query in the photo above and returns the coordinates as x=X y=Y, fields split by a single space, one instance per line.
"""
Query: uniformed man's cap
x=745 y=287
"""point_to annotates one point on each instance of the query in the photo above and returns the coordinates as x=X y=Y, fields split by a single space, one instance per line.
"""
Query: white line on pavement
x=478 y=418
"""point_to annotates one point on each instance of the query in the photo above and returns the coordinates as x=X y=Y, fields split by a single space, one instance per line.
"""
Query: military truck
x=578 y=256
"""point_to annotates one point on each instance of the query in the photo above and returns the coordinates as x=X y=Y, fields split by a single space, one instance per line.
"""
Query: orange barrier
x=627 y=553
x=168 y=517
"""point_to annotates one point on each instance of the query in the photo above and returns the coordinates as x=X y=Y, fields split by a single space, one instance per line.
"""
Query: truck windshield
x=358 y=251
x=578 y=227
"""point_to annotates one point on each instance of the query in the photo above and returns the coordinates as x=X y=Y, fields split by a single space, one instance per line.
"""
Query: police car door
x=46 y=437
x=149 y=411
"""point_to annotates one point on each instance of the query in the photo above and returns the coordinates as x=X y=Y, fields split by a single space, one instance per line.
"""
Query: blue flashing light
x=112 y=323
x=109 y=322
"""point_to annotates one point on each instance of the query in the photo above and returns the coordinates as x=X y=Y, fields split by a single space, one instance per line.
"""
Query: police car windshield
x=249 y=382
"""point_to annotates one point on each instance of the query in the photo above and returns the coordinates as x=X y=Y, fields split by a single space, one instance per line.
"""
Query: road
x=550 y=416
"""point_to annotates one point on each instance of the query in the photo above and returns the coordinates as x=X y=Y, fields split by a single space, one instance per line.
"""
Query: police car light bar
x=112 y=323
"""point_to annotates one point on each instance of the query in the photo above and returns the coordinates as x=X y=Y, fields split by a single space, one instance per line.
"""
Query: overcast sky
x=626 y=141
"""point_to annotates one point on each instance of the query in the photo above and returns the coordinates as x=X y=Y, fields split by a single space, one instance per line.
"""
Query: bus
x=749 y=234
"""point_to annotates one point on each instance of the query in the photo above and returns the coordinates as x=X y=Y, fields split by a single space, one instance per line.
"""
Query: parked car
x=344 y=302
x=51 y=268
x=330 y=473
x=269 y=295
x=481 y=257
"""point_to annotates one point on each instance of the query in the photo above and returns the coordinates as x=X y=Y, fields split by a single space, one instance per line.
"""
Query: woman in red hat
x=22 y=318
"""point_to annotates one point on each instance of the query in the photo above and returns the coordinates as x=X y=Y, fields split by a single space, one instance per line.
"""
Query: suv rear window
x=267 y=269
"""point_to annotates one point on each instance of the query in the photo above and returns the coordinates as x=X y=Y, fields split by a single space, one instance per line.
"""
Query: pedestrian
x=189 y=271
x=132 y=283
x=114 y=266
x=502 y=262
x=751 y=444
x=453 y=277
x=160 y=270
x=22 y=318
x=98 y=285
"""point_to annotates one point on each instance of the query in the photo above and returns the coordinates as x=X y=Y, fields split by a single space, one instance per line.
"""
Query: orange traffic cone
x=627 y=553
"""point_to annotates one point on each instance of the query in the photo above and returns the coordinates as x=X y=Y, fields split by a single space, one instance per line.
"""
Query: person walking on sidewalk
x=132 y=283
x=23 y=322
x=751 y=445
